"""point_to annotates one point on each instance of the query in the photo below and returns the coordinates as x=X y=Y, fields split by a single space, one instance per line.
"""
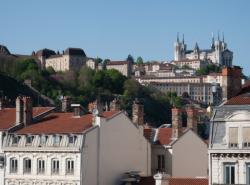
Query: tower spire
x=212 y=45
x=183 y=41
x=178 y=37
x=218 y=35
x=222 y=36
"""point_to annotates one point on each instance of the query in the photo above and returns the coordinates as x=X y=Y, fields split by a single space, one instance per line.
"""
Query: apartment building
x=229 y=155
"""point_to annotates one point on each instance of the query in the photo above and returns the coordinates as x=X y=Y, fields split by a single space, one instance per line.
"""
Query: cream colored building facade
x=124 y=67
x=229 y=156
x=65 y=148
x=71 y=59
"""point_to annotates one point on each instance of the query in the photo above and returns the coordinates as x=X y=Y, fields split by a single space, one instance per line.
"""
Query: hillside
x=83 y=86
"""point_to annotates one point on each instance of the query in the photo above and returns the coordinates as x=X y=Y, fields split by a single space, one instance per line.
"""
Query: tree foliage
x=208 y=69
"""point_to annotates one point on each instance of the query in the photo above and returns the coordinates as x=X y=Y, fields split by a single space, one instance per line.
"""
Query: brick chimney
x=19 y=110
x=231 y=82
x=176 y=123
x=192 y=118
x=66 y=104
x=115 y=105
x=27 y=111
x=78 y=110
x=138 y=113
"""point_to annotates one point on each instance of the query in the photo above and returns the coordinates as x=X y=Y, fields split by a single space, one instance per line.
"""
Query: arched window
x=13 y=165
x=40 y=166
x=55 y=167
x=70 y=166
x=27 y=165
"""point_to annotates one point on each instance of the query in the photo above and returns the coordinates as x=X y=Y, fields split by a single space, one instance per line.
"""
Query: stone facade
x=229 y=155
x=217 y=54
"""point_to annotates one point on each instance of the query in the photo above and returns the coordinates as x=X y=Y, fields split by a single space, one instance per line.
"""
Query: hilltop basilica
x=217 y=54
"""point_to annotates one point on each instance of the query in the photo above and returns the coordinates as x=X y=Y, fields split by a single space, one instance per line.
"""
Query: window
x=57 y=140
x=233 y=137
x=13 y=165
x=43 y=140
x=40 y=166
x=69 y=166
x=26 y=165
x=29 y=140
x=55 y=166
x=246 y=137
x=161 y=162
x=15 y=140
x=229 y=173
x=248 y=173
x=72 y=140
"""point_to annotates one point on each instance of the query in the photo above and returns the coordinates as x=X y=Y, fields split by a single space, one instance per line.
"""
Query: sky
x=115 y=28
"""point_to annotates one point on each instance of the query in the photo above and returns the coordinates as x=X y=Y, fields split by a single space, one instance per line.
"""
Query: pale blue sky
x=115 y=28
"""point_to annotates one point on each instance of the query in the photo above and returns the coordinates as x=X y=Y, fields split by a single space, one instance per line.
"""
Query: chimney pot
x=78 y=110
x=19 y=110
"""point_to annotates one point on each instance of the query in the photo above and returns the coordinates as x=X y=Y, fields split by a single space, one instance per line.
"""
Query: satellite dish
x=95 y=112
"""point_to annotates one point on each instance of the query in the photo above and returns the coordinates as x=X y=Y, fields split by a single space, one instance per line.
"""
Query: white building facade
x=229 y=155
x=73 y=149
x=217 y=54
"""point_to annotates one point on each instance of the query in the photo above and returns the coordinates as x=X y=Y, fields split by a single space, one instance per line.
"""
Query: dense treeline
x=86 y=85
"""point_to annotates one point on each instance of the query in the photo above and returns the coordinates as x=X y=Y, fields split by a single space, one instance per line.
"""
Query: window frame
x=70 y=166
x=27 y=165
x=40 y=166
x=13 y=165
x=55 y=166
x=230 y=166
x=161 y=162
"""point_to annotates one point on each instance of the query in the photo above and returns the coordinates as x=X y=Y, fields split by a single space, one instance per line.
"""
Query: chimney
x=138 y=113
x=78 y=110
x=176 y=123
x=19 y=110
x=161 y=179
x=66 y=104
x=192 y=118
x=231 y=82
x=27 y=111
x=115 y=105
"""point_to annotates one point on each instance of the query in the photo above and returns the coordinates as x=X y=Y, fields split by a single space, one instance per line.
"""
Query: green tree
x=139 y=60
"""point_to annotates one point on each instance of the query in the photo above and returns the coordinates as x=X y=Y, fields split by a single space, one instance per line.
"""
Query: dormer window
x=43 y=140
x=246 y=137
x=57 y=140
x=233 y=137
x=15 y=140
x=72 y=140
x=29 y=140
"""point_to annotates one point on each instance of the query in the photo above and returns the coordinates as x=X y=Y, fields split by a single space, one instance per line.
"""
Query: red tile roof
x=117 y=62
x=164 y=136
x=8 y=116
x=188 y=181
x=146 y=181
x=243 y=99
x=60 y=123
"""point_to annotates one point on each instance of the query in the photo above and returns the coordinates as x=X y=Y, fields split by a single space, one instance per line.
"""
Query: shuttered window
x=246 y=136
x=233 y=137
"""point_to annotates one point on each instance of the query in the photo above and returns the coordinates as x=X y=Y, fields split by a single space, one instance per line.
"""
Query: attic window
x=29 y=140
x=15 y=140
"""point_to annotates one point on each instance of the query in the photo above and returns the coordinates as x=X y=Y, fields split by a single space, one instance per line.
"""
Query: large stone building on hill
x=70 y=59
x=217 y=54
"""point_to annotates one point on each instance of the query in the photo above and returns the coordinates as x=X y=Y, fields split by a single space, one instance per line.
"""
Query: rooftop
x=243 y=99
x=62 y=123
x=8 y=116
